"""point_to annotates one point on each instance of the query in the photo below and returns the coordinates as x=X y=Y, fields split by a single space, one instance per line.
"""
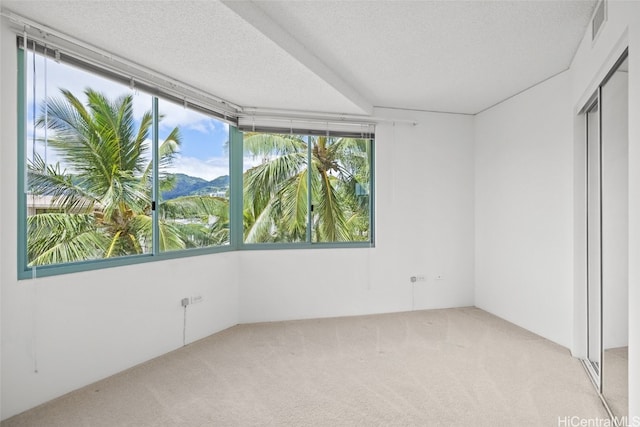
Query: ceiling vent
x=599 y=17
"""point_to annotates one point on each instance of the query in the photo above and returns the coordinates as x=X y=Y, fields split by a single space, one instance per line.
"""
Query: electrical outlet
x=421 y=278
x=196 y=299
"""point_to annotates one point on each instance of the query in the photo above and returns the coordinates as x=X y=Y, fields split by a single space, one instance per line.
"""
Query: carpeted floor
x=615 y=379
x=453 y=367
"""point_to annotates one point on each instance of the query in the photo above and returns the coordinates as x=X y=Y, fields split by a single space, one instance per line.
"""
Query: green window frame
x=236 y=240
x=312 y=145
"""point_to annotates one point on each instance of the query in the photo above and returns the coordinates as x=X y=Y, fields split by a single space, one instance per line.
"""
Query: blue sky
x=202 y=152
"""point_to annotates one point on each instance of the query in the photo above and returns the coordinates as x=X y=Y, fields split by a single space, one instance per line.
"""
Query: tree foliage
x=276 y=191
x=101 y=199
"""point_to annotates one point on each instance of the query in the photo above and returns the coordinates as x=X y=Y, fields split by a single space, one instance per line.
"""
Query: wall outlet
x=196 y=299
x=421 y=278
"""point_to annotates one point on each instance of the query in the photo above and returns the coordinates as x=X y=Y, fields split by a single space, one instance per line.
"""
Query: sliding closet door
x=607 y=117
x=594 y=242
x=615 y=238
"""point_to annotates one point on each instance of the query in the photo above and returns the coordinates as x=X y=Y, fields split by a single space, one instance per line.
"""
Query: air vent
x=598 y=19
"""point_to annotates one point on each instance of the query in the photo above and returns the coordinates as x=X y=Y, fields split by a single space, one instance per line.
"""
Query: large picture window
x=306 y=188
x=108 y=176
x=113 y=173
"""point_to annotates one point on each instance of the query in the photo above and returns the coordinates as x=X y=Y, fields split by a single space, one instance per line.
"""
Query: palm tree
x=201 y=220
x=276 y=191
x=101 y=202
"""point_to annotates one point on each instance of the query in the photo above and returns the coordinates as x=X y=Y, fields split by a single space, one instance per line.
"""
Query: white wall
x=78 y=328
x=75 y=329
x=424 y=226
x=591 y=63
x=85 y=326
x=524 y=259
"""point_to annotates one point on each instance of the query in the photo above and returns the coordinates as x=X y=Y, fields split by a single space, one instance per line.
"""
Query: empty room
x=320 y=213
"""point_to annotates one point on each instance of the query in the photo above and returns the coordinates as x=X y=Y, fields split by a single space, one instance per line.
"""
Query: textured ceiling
x=202 y=43
x=460 y=56
x=335 y=56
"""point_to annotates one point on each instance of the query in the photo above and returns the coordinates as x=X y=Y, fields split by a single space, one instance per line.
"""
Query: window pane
x=340 y=189
x=275 y=188
x=194 y=179
x=87 y=156
x=276 y=179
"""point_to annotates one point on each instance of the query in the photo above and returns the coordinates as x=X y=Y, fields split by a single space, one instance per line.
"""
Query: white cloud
x=63 y=76
x=207 y=169
x=177 y=115
x=47 y=153
x=249 y=161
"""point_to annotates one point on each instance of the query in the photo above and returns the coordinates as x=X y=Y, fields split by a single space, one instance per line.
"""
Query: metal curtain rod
x=319 y=117
x=100 y=58
x=88 y=53
x=325 y=121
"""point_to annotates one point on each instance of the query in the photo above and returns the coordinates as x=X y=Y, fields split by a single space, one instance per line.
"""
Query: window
x=115 y=172
x=96 y=161
x=88 y=163
x=275 y=182
x=279 y=170
x=193 y=179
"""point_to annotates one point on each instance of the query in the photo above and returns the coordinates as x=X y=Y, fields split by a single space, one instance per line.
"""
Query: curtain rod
x=315 y=116
x=88 y=53
x=98 y=57
x=318 y=120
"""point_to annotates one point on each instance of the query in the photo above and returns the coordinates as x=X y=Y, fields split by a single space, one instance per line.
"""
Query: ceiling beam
x=257 y=18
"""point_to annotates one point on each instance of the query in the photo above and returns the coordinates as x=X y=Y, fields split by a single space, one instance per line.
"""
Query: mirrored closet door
x=615 y=231
x=607 y=117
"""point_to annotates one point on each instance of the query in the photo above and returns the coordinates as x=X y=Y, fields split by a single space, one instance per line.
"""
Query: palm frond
x=294 y=205
x=201 y=220
x=170 y=237
x=329 y=217
x=198 y=235
x=262 y=182
x=269 y=145
x=125 y=197
x=51 y=180
x=260 y=230
x=59 y=238
x=195 y=206
x=167 y=151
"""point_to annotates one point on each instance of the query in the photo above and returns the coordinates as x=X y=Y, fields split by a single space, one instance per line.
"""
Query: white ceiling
x=334 y=56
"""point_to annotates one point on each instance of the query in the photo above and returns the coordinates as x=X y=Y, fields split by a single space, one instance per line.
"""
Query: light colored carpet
x=453 y=367
x=615 y=380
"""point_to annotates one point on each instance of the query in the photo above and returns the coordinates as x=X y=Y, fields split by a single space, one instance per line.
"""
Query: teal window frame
x=308 y=243
x=236 y=241
x=27 y=272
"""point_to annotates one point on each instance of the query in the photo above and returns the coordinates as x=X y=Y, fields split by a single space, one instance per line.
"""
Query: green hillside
x=186 y=185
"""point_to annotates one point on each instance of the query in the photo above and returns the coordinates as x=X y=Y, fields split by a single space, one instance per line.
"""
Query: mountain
x=186 y=185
